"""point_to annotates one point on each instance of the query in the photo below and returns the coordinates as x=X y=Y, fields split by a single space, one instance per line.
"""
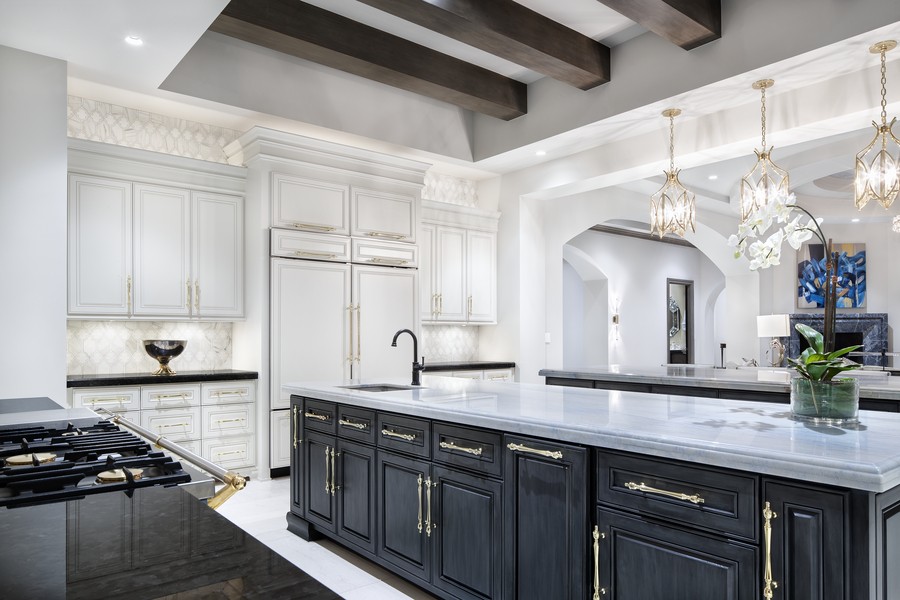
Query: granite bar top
x=476 y=365
x=108 y=379
x=757 y=437
x=872 y=384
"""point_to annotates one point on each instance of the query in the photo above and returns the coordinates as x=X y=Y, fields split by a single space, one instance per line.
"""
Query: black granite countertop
x=159 y=542
x=478 y=365
x=73 y=381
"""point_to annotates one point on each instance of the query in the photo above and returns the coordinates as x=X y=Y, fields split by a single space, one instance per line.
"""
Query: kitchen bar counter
x=749 y=436
x=477 y=365
x=115 y=379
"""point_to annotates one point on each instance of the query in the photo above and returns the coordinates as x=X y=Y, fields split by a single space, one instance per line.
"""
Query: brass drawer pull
x=296 y=438
x=403 y=436
x=238 y=420
x=389 y=261
x=386 y=235
x=229 y=453
x=770 y=584
x=333 y=471
x=598 y=591
x=428 y=524
x=220 y=393
x=317 y=416
x=313 y=226
x=472 y=451
x=419 y=486
x=107 y=400
x=327 y=486
x=311 y=254
x=169 y=425
x=360 y=426
x=556 y=454
x=181 y=395
x=642 y=487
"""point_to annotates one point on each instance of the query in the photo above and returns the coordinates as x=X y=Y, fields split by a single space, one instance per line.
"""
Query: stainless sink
x=381 y=387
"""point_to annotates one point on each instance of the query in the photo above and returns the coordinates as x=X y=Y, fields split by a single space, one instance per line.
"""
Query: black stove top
x=40 y=464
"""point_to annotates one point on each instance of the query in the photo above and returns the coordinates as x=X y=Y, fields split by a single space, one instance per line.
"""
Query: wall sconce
x=775 y=327
x=615 y=317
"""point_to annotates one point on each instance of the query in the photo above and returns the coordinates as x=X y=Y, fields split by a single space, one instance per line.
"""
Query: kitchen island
x=877 y=389
x=501 y=490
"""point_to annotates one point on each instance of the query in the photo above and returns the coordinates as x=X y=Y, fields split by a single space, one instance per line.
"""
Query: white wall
x=32 y=225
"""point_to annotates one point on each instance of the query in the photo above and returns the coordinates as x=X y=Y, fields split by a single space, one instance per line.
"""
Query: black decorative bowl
x=164 y=351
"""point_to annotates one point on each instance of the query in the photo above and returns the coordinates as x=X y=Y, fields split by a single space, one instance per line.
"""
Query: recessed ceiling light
x=134 y=40
x=540 y=153
x=854 y=220
x=713 y=177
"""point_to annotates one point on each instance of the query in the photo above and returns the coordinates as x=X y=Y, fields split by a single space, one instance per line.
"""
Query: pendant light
x=878 y=166
x=672 y=207
x=767 y=180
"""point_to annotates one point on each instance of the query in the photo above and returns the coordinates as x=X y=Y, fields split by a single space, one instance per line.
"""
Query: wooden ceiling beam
x=686 y=23
x=507 y=29
x=323 y=37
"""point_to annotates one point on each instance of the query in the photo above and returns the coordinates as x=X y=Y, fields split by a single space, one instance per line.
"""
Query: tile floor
x=260 y=508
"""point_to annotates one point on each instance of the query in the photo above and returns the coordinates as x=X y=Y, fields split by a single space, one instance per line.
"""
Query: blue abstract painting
x=851 y=273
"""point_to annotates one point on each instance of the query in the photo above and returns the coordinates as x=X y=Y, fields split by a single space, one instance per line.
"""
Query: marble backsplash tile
x=449 y=343
x=103 y=347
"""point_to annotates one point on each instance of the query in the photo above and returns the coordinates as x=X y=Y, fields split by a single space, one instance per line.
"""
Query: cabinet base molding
x=302 y=528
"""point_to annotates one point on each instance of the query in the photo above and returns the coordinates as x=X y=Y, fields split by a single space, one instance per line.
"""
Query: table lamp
x=775 y=327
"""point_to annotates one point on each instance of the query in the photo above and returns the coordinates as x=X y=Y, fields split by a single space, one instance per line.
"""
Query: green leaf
x=842 y=351
x=815 y=339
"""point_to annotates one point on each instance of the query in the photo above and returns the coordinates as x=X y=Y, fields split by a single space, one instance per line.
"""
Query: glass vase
x=833 y=402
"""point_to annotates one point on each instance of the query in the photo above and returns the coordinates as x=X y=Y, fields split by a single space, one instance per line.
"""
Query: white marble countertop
x=872 y=383
x=757 y=437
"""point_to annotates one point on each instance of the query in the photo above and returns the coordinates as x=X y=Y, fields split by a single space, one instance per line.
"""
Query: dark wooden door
x=811 y=550
x=545 y=520
x=355 y=494
x=637 y=558
x=297 y=467
x=402 y=519
x=321 y=457
x=467 y=534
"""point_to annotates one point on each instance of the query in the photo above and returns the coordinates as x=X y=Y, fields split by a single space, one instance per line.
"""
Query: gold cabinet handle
x=388 y=261
x=360 y=426
x=472 y=451
x=316 y=416
x=197 y=296
x=419 y=486
x=358 y=333
x=387 y=235
x=469 y=306
x=237 y=420
x=598 y=591
x=311 y=254
x=428 y=524
x=170 y=425
x=296 y=429
x=220 y=393
x=327 y=486
x=181 y=395
x=556 y=454
x=106 y=400
x=434 y=311
x=187 y=304
x=228 y=453
x=350 y=344
x=642 y=487
x=128 y=293
x=770 y=584
x=440 y=304
x=312 y=226
x=403 y=436
x=333 y=471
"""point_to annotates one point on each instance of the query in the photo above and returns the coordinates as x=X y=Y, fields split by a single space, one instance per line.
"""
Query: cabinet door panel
x=684 y=565
x=383 y=215
x=402 y=540
x=297 y=453
x=99 y=246
x=218 y=255
x=162 y=278
x=355 y=480
x=545 y=519
x=451 y=274
x=481 y=276
x=468 y=544
x=427 y=289
x=310 y=205
x=319 y=501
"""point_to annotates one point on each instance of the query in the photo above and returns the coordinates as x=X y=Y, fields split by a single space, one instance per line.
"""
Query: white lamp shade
x=769 y=326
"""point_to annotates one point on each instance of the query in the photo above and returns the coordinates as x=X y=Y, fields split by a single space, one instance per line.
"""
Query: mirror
x=679 y=321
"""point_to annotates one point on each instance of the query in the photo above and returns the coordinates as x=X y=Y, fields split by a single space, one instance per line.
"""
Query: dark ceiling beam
x=686 y=23
x=509 y=30
x=329 y=39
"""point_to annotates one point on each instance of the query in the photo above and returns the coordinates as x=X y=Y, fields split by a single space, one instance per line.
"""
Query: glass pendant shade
x=672 y=208
x=878 y=165
x=766 y=181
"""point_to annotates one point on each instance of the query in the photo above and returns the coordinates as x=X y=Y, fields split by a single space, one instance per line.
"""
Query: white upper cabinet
x=458 y=251
x=310 y=204
x=148 y=243
x=383 y=215
x=99 y=248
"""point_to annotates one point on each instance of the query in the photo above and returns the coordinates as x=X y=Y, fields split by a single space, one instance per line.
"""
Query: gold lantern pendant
x=767 y=180
x=672 y=208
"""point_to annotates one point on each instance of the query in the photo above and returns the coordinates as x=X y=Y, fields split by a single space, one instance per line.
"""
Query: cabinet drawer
x=404 y=434
x=498 y=375
x=174 y=424
x=170 y=396
x=313 y=246
x=223 y=421
x=115 y=399
x=389 y=254
x=228 y=392
x=310 y=204
x=699 y=497
x=230 y=453
x=356 y=424
x=473 y=449
x=468 y=374
x=320 y=416
x=383 y=215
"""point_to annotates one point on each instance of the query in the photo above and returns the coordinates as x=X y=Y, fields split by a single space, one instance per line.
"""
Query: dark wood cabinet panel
x=403 y=538
x=545 y=519
x=468 y=536
x=640 y=558
x=355 y=494
x=297 y=468
x=319 y=499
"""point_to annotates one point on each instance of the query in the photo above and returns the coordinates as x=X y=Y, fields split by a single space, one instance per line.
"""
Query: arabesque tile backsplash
x=104 y=347
x=449 y=343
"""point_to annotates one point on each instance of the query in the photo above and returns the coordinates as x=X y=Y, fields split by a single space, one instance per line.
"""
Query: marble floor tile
x=260 y=509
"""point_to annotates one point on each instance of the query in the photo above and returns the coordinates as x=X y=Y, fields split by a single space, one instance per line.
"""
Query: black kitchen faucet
x=417 y=367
